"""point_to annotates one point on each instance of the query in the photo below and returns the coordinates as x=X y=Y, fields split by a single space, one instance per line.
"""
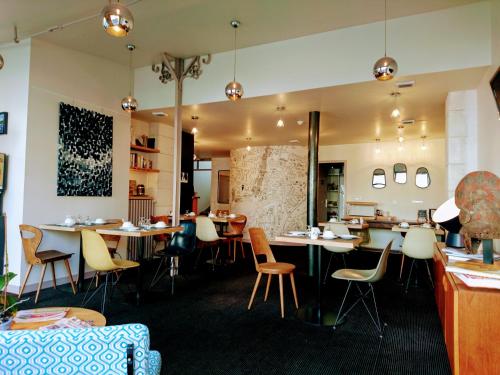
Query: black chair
x=182 y=244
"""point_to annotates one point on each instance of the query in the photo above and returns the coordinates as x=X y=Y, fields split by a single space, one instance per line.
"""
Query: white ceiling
x=353 y=113
x=191 y=27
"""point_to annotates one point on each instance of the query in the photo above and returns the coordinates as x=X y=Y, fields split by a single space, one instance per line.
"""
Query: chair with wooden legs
x=31 y=238
x=260 y=246
x=235 y=235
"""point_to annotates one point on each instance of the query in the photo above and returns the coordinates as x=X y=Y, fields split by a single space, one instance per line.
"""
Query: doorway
x=331 y=191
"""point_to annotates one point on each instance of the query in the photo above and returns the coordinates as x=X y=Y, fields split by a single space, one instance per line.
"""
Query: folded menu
x=35 y=316
x=478 y=281
x=72 y=322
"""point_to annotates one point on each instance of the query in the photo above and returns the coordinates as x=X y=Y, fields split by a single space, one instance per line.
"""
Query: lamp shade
x=447 y=215
x=117 y=19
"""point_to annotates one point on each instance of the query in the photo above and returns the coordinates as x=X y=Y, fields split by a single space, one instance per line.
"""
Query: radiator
x=138 y=208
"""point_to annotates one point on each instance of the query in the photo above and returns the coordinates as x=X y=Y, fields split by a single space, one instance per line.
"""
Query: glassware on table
x=88 y=220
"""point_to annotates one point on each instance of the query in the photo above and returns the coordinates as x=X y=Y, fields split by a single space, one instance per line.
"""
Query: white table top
x=304 y=240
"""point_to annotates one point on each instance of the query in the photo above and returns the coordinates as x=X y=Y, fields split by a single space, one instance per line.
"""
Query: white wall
x=202 y=186
x=218 y=164
x=398 y=199
x=454 y=38
x=14 y=81
x=58 y=74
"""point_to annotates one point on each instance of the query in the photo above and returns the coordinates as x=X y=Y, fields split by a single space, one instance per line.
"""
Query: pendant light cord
x=385 y=28
x=131 y=78
x=234 y=67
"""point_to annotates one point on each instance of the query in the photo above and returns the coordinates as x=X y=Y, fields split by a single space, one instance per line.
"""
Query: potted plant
x=8 y=304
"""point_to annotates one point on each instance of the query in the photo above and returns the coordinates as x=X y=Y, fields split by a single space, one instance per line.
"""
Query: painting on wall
x=85 y=153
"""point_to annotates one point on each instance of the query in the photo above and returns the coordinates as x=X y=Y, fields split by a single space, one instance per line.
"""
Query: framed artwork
x=85 y=153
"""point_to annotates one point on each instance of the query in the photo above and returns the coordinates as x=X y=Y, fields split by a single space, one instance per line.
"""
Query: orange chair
x=260 y=246
x=235 y=235
x=31 y=238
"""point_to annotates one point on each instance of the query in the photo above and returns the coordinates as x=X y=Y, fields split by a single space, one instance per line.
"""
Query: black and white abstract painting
x=85 y=153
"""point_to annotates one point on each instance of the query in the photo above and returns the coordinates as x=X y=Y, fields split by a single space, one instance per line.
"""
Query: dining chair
x=235 y=235
x=183 y=243
x=419 y=245
x=369 y=276
x=221 y=212
x=337 y=229
x=208 y=237
x=97 y=256
x=31 y=238
x=260 y=246
x=160 y=238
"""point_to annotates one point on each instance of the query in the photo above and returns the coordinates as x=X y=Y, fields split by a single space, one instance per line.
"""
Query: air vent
x=407 y=122
x=159 y=114
x=405 y=84
x=293 y=141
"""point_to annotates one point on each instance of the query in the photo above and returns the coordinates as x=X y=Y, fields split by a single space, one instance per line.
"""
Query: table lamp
x=447 y=215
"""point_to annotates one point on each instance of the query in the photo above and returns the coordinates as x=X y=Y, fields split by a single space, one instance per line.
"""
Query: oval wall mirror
x=378 y=178
x=422 y=178
x=400 y=173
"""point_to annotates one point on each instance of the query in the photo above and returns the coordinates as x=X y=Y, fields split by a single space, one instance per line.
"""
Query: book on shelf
x=34 y=316
x=479 y=281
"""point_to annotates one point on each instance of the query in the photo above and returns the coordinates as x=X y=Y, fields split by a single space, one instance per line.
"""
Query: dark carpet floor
x=205 y=328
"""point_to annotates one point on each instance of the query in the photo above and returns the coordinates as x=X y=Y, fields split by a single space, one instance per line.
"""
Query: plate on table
x=348 y=236
x=296 y=233
x=329 y=237
x=129 y=228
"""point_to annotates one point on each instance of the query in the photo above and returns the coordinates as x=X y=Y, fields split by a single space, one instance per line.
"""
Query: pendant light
x=395 y=112
x=248 y=145
x=194 y=130
x=401 y=139
x=423 y=146
x=386 y=67
x=280 y=123
x=234 y=90
x=377 y=147
x=129 y=103
x=117 y=19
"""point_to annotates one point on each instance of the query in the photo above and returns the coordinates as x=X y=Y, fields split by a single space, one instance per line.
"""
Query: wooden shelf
x=359 y=203
x=144 y=170
x=144 y=149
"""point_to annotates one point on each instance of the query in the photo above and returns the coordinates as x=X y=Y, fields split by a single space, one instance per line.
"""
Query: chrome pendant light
x=117 y=19
x=234 y=89
x=129 y=103
x=1 y=62
x=386 y=67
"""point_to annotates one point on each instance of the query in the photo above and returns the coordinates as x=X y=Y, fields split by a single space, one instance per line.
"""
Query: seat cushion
x=52 y=255
x=355 y=275
x=124 y=263
x=154 y=363
x=276 y=268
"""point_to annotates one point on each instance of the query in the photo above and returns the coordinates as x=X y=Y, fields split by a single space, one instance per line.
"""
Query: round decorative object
x=1 y=62
x=129 y=104
x=234 y=91
x=478 y=198
x=117 y=19
x=385 y=68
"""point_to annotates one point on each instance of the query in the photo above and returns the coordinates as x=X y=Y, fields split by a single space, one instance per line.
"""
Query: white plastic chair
x=337 y=229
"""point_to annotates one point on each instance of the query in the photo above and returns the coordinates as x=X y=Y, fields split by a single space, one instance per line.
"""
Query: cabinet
x=469 y=318
x=330 y=191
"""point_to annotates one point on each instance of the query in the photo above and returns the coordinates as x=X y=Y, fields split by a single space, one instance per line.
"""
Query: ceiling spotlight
x=377 y=147
x=129 y=103
x=117 y=19
x=386 y=67
x=300 y=122
x=280 y=123
x=423 y=146
x=234 y=89
x=248 y=146
x=194 y=131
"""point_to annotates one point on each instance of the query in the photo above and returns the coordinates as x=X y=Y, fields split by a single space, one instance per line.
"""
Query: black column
x=312 y=189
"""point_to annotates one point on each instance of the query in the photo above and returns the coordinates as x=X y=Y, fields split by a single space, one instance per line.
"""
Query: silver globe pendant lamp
x=234 y=89
x=129 y=103
x=386 y=67
x=117 y=19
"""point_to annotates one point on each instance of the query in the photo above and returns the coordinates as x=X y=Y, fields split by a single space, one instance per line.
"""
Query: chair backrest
x=338 y=228
x=237 y=225
x=51 y=351
x=419 y=243
x=31 y=238
x=205 y=229
x=96 y=252
x=382 y=264
x=167 y=220
x=183 y=242
x=260 y=246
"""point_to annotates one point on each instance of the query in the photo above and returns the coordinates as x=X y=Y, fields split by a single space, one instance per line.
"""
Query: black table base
x=318 y=316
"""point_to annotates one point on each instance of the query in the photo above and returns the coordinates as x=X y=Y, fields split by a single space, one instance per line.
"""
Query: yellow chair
x=97 y=256
x=419 y=245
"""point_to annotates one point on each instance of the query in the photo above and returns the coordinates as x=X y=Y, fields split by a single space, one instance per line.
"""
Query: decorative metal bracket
x=167 y=71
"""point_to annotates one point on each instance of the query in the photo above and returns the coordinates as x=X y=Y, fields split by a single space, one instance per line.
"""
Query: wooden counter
x=469 y=317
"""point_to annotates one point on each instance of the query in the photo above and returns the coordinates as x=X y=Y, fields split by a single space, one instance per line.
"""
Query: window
x=378 y=179
x=400 y=173
x=422 y=178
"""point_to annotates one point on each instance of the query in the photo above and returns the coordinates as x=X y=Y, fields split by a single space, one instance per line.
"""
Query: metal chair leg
x=341 y=306
x=157 y=277
x=429 y=272
x=409 y=276
x=103 y=303
x=328 y=268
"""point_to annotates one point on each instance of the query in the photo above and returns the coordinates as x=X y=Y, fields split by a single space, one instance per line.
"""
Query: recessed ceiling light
x=159 y=114
x=194 y=117
x=293 y=141
x=300 y=122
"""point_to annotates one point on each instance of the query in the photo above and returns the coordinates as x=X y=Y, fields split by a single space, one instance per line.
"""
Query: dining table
x=95 y=318
x=77 y=228
x=315 y=313
x=141 y=233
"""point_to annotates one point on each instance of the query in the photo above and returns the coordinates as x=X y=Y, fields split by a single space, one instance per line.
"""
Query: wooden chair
x=31 y=238
x=260 y=246
x=221 y=212
x=235 y=235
